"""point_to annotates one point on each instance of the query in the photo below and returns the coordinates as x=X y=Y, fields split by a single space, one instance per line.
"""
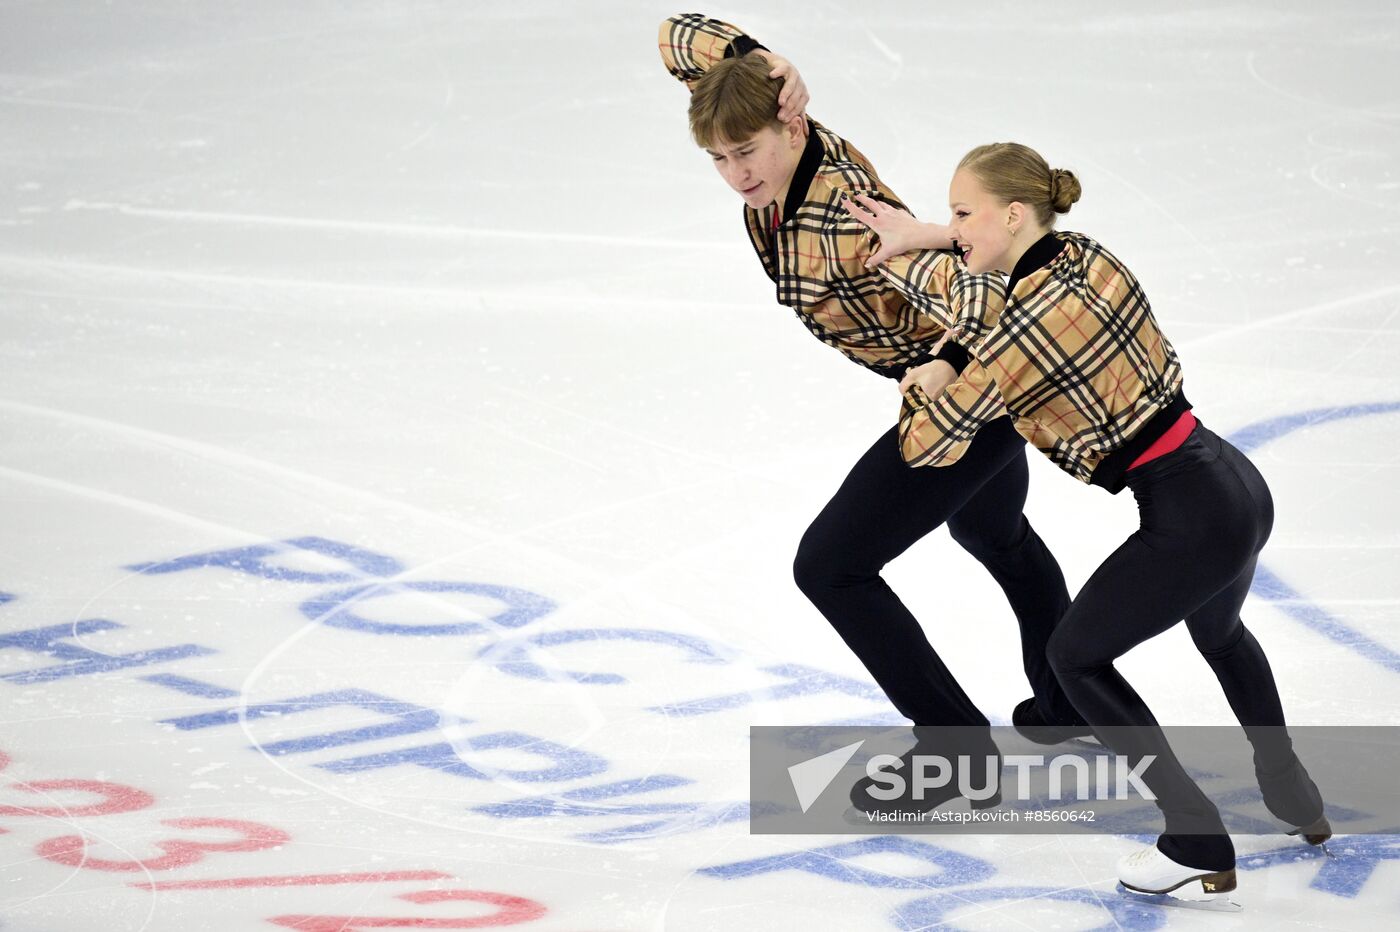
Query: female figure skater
x=793 y=175
x=1078 y=360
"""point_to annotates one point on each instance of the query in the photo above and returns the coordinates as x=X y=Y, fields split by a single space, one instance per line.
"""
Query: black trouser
x=881 y=509
x=1205 y=513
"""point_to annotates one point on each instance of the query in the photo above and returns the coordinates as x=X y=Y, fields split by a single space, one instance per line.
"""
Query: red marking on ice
x=116 y=798
x=513 y=911
x=71 y=850
x=291 y=880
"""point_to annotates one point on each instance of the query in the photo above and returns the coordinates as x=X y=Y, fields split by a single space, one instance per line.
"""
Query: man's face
x=759 y=167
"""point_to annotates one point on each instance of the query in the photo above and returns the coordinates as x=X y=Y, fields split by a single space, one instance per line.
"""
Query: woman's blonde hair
x=1013 y=172
x=733 y=101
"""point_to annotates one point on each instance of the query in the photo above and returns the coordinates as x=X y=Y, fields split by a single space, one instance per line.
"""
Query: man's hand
x=793 y=98
x=932 y=377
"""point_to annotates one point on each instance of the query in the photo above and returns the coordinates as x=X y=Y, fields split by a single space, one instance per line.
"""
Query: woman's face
x=980 y=224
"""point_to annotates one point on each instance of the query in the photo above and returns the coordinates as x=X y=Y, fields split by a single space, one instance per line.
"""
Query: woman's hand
x=793 y=98
x=899 y=232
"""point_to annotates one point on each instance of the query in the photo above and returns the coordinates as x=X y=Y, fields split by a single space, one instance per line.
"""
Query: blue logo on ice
x=811 y=777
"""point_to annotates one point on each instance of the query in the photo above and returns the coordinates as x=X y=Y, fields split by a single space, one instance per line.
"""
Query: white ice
x=448 y=283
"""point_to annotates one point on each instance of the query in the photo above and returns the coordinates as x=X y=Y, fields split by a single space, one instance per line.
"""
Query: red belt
x=1174 y=437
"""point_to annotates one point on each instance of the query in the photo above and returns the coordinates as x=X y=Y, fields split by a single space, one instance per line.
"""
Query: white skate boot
x=1150 y=872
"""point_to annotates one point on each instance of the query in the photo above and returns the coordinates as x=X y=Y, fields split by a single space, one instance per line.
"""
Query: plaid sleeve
x=938 y=432
x=936 y=284
x=847 y=305
x=691 y=43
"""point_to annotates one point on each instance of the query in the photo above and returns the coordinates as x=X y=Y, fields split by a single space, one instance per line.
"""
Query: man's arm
x=691 y=43
x=849 y=305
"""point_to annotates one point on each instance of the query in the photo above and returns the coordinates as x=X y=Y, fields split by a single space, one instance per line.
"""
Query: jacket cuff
x=741 y=46
x=955 y=356
x=898 y=372
x=916 y=398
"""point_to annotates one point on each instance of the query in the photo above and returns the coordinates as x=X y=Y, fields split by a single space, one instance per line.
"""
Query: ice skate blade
x=1089 y=744
x=1212 y=902
x=1210 y=884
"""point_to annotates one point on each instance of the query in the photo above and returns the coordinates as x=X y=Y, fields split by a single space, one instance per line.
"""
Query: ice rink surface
x=402 y=453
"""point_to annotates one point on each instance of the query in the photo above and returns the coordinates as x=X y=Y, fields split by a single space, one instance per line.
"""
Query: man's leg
x=992 y=528
x=881 y=509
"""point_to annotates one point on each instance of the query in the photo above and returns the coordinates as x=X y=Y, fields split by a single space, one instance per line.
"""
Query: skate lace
x=1143 y=856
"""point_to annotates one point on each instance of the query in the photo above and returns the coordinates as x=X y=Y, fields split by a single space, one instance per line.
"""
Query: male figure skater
x=794 y=177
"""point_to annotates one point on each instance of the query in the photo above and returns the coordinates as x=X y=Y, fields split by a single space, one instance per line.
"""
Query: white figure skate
x=1150 y=876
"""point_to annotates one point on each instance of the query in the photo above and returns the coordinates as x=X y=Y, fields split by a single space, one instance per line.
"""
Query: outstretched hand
x=899 y=232
x=897 y=229
x=793 y=98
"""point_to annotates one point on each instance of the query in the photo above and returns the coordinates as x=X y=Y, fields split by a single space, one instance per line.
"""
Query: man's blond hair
x=733 y=101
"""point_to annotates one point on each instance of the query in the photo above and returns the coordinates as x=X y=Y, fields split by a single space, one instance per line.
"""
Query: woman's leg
x=1199 y=534
x=1127 y=601
x=882 y=508
x=1246 y=677
x=1248 y=681
x=1235 y=656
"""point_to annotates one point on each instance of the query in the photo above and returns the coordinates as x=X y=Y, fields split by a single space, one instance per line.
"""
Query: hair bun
x=1064 y=190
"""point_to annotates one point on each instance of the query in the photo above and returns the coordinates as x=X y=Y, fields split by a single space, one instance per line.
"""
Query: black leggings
x=881 y=509
x=1205 y=514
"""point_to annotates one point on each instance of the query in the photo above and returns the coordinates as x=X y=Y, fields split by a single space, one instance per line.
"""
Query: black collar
x=807 y=166
x=1042 y=252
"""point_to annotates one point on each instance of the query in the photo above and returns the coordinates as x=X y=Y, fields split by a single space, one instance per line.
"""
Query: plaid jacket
x=1076 y=357
x=887 y=319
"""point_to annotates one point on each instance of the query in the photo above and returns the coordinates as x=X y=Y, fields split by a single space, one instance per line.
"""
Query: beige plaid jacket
x=1076 y=357
x=886 y=319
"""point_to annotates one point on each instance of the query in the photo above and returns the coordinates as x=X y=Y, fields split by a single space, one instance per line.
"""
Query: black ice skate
x=963 y=765
x=1030 y=723
x=1292 y=796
